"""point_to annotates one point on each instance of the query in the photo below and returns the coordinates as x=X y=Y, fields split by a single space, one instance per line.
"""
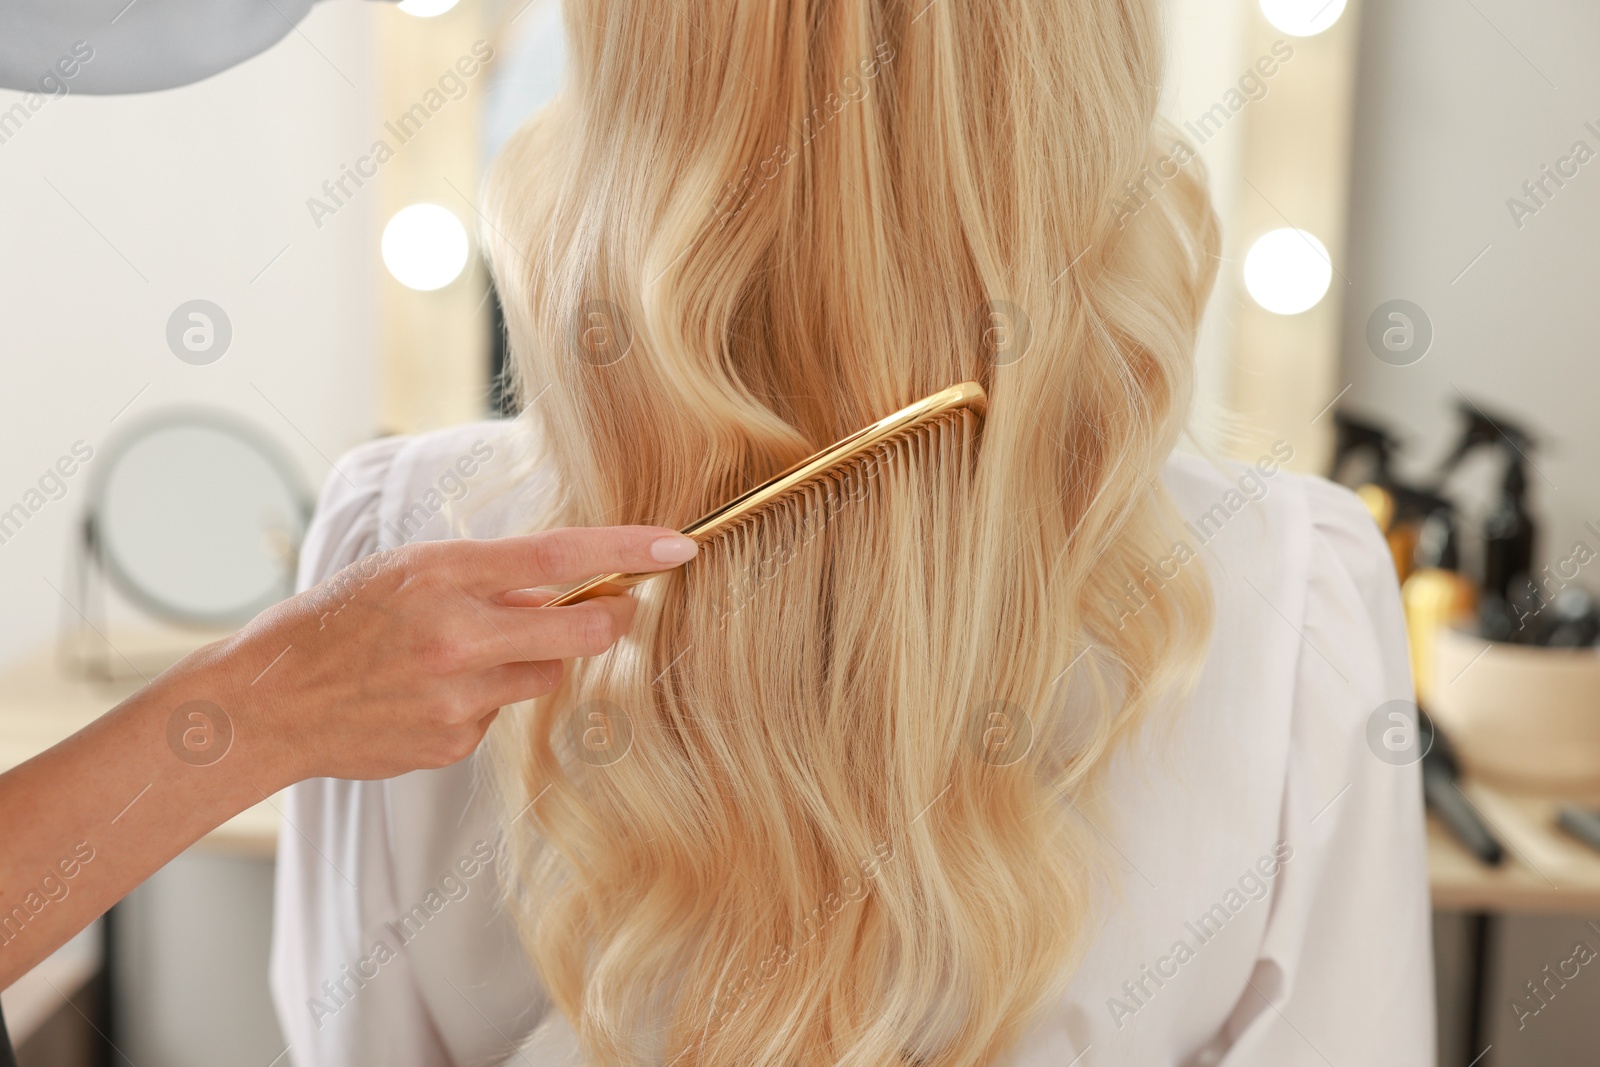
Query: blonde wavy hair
x=826 y=803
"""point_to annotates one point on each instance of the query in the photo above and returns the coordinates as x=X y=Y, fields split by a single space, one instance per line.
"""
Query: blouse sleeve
x=1345 y=970
x=335 y=883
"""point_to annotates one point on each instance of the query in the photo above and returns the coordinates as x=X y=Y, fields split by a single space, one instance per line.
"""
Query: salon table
x=41 y=703
x=1545 y=872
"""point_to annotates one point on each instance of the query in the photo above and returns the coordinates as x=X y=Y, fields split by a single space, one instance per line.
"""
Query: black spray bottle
x=1510 y=608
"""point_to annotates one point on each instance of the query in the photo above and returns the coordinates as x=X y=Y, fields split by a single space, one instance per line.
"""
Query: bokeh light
x=425 y=247
x=1287 y=271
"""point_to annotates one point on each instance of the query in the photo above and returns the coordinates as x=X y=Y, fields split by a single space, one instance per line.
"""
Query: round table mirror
x=197 y=517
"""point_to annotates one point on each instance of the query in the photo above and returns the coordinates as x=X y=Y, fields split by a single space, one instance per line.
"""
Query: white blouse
x=1273 y=902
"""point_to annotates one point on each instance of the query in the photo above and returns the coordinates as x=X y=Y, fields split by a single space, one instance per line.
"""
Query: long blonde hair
x=826 y=803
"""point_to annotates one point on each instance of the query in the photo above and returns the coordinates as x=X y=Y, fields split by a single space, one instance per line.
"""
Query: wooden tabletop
x=1546 y=871
x=42 y=702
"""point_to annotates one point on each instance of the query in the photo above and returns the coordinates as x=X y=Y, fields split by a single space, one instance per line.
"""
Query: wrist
x=220 y=722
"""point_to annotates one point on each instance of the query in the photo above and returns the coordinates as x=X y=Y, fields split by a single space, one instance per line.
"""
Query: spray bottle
x=1510 y=534
x=1362 y=460
x=1436 y=595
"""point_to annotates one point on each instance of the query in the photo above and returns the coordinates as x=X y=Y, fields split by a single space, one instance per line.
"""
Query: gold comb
x=835 y=456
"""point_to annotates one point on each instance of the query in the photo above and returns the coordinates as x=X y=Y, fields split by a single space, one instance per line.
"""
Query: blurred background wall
x=1457 y=106
x=115 y=210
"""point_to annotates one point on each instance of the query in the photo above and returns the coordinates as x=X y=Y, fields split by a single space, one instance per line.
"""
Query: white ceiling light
x=425 y=246
x=1287 y=271
x=1297 y=18
x=426 y=9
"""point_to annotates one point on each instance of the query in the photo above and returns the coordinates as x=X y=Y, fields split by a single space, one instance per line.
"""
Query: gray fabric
x=57 y=47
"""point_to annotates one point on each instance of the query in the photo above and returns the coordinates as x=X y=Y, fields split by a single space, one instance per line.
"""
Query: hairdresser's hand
x=389 y=666
x=402 y=660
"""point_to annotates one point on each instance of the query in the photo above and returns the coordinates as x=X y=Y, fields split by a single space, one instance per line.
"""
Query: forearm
x=398 y=663
x=88 y=820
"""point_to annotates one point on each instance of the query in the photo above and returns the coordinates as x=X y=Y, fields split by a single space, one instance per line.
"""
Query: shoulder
x=1268 y=760
x=1305 y=598
x=1309 y=635
x=466 y=480
x=1280 y=525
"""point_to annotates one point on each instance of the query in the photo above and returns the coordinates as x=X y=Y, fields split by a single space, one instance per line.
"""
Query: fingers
x=463 y=740
x=586 y=629
x=491 y=634
x=571 y=555
x=527 y=598
x=509 y=683
x=512 y=683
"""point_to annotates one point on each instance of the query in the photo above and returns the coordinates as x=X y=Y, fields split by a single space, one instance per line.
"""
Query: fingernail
x=674 y=548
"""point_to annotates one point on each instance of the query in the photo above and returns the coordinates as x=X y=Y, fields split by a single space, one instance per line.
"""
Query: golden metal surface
x=837 y=455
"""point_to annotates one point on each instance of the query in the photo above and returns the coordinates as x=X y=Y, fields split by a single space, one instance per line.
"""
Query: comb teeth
x=833 y=488
x=764 y=540
x=909 y=429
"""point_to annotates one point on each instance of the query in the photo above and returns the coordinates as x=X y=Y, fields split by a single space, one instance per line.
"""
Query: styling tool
x=1441 y=791
x=883 y=435
x=1582 y=823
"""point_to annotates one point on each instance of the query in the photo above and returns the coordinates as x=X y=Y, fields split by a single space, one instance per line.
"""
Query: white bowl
x=1519 y=715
